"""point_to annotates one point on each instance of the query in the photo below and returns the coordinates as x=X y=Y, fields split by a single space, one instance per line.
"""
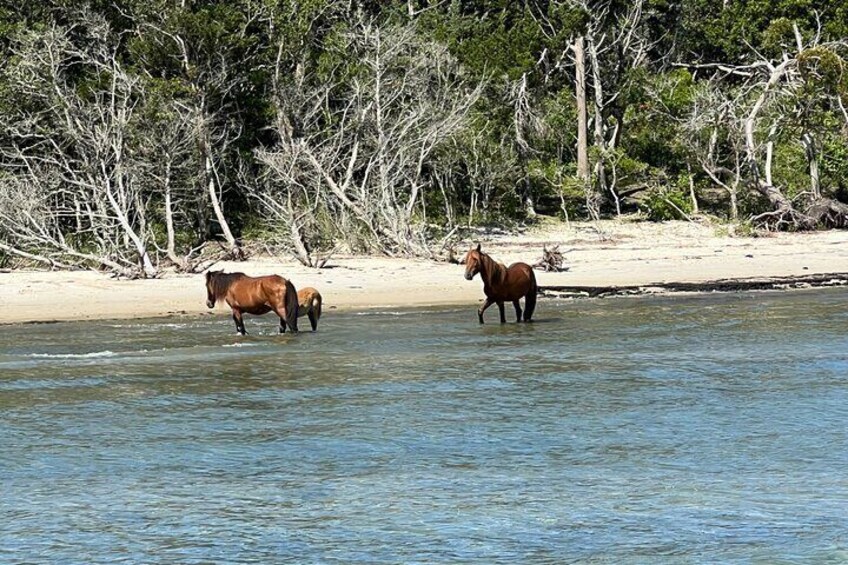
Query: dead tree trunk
x=582 y=125
x=809 y=143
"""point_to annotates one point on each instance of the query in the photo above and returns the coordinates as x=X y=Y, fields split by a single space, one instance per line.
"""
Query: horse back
x=257 y=293
x=523 y=271
x=520 y=280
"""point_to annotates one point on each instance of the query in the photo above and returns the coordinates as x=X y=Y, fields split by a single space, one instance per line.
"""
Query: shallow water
x=690 y=430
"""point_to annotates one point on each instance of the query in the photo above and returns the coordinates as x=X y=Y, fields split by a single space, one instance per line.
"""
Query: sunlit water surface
x=690 y=430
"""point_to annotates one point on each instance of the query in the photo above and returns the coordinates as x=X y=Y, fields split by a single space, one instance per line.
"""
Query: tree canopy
x=134 y=134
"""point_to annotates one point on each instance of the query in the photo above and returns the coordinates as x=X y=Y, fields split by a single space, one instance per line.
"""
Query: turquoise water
x=651 y=430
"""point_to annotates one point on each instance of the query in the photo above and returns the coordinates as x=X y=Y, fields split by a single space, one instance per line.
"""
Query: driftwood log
x=552 y=260
x=720 y=285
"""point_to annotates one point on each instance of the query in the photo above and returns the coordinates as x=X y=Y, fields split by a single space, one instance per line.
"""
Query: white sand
x=628 y=253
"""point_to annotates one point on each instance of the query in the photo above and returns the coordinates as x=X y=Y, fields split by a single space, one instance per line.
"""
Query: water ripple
x=703 y=429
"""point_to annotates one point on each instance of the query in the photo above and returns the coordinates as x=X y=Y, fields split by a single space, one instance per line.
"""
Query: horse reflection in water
x=253 y=295
x=503 y=284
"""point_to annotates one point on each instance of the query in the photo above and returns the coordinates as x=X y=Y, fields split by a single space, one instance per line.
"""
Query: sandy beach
x=607 y=253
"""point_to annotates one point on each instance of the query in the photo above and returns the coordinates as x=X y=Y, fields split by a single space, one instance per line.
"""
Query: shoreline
x=611 y=257
x=546 y=294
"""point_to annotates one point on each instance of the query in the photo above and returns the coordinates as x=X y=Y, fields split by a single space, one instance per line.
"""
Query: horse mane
x=495 y=270
x=220 y=282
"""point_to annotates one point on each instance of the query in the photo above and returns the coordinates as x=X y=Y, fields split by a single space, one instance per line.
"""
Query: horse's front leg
x=237 y=318
x=517 y=310
x=488 y=302
x=501 y=308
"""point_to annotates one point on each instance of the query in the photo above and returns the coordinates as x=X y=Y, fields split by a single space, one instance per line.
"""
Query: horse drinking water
x=502 y=284
x=253 y=295
x=309 y=304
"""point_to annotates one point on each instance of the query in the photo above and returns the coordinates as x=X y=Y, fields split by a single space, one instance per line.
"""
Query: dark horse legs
x=488 y=303
x=517 y=310
x=281 y=312
x=287 y=318
x=239 y=322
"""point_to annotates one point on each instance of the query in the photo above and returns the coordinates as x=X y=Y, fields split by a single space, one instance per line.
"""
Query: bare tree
x=168 y=163
x=71 y=193
x=582 y=124
x=713 y=132
x=767 y=101
x=614 y=44
x=359 y=147
x=210 y=84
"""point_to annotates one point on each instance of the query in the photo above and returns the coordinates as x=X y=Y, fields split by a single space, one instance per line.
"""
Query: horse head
x=472 y=262
x=211 y=288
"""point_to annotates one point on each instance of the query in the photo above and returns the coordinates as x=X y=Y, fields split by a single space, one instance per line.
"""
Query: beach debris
x=450 y=255
x=552 y=260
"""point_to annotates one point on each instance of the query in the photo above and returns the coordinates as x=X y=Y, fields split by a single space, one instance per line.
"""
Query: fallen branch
x=720 y=285
x=551 y=261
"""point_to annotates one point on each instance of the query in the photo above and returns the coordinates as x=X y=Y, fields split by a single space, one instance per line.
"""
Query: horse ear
x=478 y=247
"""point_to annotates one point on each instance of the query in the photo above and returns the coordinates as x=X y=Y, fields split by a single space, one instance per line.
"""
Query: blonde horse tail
x=315 y=311
x=530 y=298
x=316 y=306
x=290 y=300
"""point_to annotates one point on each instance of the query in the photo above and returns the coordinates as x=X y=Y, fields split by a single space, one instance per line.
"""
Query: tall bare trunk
x=692 y=195
x=600 y=142
x=809 y=143
x=130 y=233
x=751 y=119
x=171 y=245
x=215 y=199
x=582 y=125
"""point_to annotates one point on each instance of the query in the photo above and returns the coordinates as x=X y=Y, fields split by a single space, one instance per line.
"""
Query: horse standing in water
x=309 y=304
x=503 y=284
x=253 y=295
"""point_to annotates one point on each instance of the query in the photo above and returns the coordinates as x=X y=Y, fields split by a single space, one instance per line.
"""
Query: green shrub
x=662 y=203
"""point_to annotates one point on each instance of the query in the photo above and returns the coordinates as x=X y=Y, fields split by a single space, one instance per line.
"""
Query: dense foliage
x=133 y=134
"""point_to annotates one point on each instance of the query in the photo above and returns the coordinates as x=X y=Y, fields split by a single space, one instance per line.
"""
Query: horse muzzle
x=210 y=304
x=469 y=276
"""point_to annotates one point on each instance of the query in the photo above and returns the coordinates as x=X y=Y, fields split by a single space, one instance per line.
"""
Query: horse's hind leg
x=281 y=312
x=237 y=318
x=313 y=320
x=503 y=314
x=517 y=310
x=286 y=320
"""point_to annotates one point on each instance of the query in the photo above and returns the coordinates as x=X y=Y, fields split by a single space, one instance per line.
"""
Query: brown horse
x=502 y=284
x=253 y=295
x=309 y=304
